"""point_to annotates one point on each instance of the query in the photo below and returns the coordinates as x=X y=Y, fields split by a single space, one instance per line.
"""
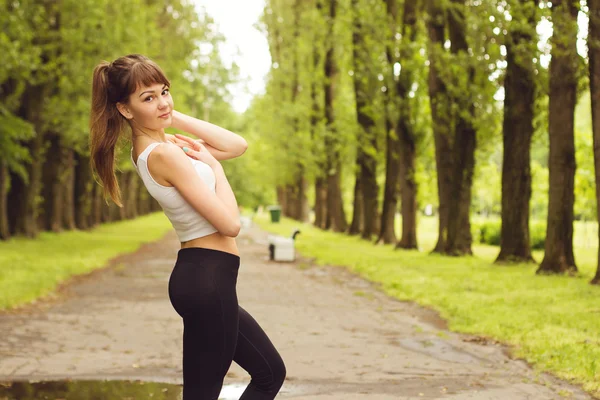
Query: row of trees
x=49 y=50
x=404 y=91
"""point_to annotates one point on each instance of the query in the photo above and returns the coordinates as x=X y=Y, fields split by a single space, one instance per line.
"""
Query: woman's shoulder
x=168 y=155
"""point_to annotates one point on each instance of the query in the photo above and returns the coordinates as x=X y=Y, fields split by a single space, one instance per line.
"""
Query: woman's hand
x=171 y=138
x=196 y=150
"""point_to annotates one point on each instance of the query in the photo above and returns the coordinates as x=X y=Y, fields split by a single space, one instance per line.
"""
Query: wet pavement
x=114 y=333
x=104 y=390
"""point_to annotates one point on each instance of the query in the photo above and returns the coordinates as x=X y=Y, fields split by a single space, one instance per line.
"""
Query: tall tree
x=317 y=114
x=366 y=188
x=440 y=115
x=517 y=128
x=564 y=66
x=387 y=232
x=299 y=186
x=405 y=129
x=336 y=217
x=594 y=55
x=459 y=238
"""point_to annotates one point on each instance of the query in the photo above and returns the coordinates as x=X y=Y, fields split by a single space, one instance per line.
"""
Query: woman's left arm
x=216 y=153
x=220 y=142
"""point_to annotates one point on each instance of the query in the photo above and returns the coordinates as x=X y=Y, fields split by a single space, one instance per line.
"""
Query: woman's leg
x=202 y=290
x=257 y=355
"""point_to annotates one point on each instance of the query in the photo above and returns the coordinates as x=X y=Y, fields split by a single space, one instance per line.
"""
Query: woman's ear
x=124 y=110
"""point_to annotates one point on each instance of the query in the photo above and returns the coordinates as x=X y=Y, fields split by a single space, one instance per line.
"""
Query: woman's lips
x=165 y=116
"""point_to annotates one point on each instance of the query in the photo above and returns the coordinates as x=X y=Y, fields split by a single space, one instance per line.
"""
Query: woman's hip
x=203 y=279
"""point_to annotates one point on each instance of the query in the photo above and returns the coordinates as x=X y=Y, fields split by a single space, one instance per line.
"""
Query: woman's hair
x=113 y=83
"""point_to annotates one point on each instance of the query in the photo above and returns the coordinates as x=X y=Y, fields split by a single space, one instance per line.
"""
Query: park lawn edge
x=543 y=353
x=33 y=269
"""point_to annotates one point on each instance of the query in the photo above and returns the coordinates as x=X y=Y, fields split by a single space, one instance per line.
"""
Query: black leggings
x=217 y=331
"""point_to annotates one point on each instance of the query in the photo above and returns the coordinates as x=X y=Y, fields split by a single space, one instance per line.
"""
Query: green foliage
x=53 y=48
x=12 y=130
x=487 y=231
x=537 y=234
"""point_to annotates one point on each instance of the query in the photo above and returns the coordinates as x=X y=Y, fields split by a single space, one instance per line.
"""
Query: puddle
x=439 y=349
x=102 y=390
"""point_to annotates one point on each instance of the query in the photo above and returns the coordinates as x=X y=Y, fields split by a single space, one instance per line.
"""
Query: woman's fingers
x=190 y=152
x=191 y=142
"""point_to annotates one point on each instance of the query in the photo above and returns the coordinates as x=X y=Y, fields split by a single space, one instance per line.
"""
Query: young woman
x=186 y=178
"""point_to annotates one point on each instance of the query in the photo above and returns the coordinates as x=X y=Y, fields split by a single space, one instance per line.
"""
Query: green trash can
x=275 y=212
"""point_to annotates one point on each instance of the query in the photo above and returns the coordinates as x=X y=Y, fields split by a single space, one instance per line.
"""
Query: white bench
x=282 y=248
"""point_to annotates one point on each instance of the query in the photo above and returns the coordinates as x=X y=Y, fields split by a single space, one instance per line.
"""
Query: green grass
x=552 y=322
x=33 y=268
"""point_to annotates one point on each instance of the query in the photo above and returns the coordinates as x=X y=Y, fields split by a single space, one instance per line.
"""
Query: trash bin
x=275 y=212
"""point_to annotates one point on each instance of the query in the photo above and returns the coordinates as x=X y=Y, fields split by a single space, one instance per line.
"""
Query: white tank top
x=188 y=222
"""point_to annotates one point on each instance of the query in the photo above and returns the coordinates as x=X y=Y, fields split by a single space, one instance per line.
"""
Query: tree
x=459 y=238
x=564 y=66
x=517 y=129
x=440 y=115
x=405 y=129
x=365 y=90
x=336 y=217
x=594 y=70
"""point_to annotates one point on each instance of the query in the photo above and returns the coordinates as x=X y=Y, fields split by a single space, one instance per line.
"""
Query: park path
x=340 y=336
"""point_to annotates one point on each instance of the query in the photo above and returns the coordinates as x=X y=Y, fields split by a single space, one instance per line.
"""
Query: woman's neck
x=157 y=136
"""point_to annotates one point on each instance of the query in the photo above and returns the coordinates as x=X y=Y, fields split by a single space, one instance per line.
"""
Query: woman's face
x=150 y=107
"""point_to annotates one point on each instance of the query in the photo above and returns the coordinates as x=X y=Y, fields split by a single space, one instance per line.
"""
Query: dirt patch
x=340 y=336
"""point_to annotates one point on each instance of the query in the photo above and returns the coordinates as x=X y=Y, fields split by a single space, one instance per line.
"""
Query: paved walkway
x=340 y=337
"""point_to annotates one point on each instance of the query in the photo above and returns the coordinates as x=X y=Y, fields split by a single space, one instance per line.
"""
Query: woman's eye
x=148 y=98
x=165 y=91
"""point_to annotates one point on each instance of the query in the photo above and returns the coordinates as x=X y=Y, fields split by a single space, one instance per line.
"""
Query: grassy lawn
x=31 y=268
x=552 y=322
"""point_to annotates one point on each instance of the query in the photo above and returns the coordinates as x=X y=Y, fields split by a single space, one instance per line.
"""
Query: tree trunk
x=459 y=240
x=357 y=224
x=387 y=232
x=131 y=191
x=594 y=55
x=68 y=221
x=517 y=129
x=4 y=228
x=321 y=203
x=23 y=195
x=83 y=191
x=282 y=199
x=142 y=197
x=440 y=115
x=405 y=131
x=408 y=192
x=367 y=141
x=291 y=201
x=336 y=217
x=303 y=206
x=391 y=189
x=53 y=193
x=558 y=255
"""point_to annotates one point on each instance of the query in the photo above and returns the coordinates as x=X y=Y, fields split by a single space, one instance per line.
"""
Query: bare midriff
x=216 y=241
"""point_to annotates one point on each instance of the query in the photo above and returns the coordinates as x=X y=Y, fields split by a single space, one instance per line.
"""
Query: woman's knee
x=279 y=372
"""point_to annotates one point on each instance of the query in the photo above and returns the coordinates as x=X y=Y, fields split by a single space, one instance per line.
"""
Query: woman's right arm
x=220 y=208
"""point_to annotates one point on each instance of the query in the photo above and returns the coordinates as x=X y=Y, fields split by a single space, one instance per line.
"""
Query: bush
x=488 y=232
x=537 y=234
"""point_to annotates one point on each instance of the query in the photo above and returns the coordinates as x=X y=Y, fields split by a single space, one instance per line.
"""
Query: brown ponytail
x=106 y=125
x=112 y=84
